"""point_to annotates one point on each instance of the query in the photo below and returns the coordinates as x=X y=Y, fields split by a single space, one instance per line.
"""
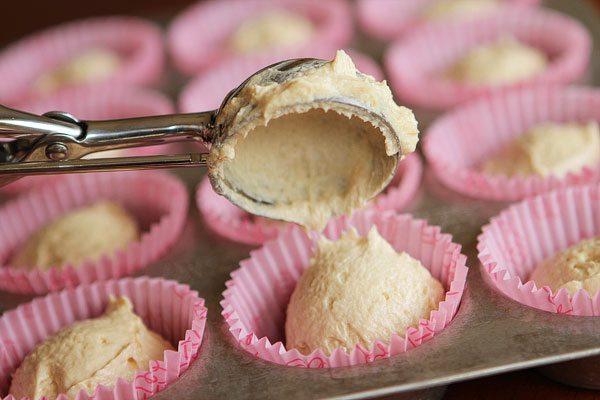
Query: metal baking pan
x=490 y=334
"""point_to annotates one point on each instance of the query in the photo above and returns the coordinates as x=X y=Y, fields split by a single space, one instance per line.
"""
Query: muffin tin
x=490 y=333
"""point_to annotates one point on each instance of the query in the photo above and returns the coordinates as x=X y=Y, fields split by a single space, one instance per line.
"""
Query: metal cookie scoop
x=54 y=142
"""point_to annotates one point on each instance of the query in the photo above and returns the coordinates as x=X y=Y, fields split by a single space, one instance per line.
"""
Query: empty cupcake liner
x=256 y=298
x=415 y=64
x=208 y=90
x=137 y=40
x=197 y=37
x=235 y=224
x=94 y=103
x=166 y=307
x=459 y=141
x=384 y=19
x=526 y=233
x=157 y=200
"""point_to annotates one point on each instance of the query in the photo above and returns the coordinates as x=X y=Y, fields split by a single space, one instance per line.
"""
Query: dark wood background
x=19 y=18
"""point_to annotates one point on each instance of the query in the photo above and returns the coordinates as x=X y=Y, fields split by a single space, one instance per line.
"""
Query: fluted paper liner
x=256 y=298
x=197 y=37
x=235 y=224
x=458 y=142
x=137 y=40
x=157 y=200
x=93 y=103
x=416 y=64
x=166 y=307
x=385 y=20
x=526 y=233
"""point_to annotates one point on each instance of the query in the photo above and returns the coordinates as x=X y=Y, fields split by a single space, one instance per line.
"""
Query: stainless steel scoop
x=54 y=142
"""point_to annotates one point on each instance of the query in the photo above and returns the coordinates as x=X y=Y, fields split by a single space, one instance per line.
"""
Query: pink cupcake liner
x=460 y=140
x=209 y=88
x=157 y=200
x=415 y=65
x=94 y=103
x=166 y=307
x=255 y=301
x=196 y=38
x=235 y=224
x=526 y=233
x=384 y=19
x=138 y=40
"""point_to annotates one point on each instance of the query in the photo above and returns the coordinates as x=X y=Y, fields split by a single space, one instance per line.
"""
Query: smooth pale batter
x=82 y=234
x=457 y=8
x=88 y=66
x=503 y=61
x=548 y=149
x=577 y=267
x=356 y=290
x=89 y=353
x=287 y=151
x=272 y=29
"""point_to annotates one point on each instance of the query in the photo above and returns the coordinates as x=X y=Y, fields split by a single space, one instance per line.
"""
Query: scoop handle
x=53 y=143
x=21 y=124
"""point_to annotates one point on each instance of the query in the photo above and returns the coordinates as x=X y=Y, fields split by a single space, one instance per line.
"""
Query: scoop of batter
x=548 y=149
x=89 y=353
x=577 y=267
x=356 y=290
x=88 y=66
x=501 y=62
x=287 y=149
x=272 y=29
x=83 y=234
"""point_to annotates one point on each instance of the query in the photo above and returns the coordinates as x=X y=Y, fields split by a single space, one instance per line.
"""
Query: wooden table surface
x=519 y=385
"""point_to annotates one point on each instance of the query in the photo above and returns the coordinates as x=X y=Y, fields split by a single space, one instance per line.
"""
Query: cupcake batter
x=501 y=62
x=457 y=8
x=89 y=353
x=548 y=149
x=286 y=152
x=577 y=267
x=356 y=290
x=88 y=66
x=83 y=234
x=272 y=29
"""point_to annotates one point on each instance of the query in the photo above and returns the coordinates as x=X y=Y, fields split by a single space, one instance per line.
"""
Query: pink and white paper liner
x=197 y=37
x=94 y=103
x=256 y=298
x=416 y=64
x=166 y=307
x=137 y=40
x=526 y=233
x=209 y=88
x=385 y=20
x=157 y=200
x=458 y=142
x=235 y=224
